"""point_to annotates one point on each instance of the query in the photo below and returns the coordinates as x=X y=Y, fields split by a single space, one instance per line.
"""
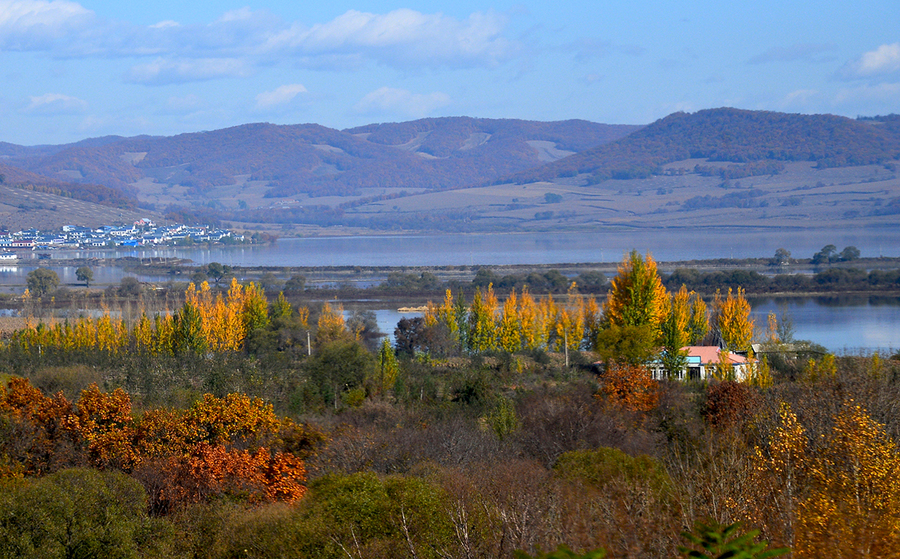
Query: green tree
x=85 y=274
x=636 y=296
x=388 y=366
x=42 y=281
x=503 y=418
x=217 y=271
x=632 y=345
x=563 y=552
x=338 y=367
x=295 y=283
x=849 y=253
x=826 y=255
x=716 y=541
x=78 y=513
x=188 y=330
x=782 y=257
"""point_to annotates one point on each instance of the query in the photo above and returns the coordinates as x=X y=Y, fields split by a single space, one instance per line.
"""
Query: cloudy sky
x=70 y=70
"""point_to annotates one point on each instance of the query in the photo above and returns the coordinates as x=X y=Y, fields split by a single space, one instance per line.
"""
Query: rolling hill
x=705 y=169
x=309 y=159
x=731 y=135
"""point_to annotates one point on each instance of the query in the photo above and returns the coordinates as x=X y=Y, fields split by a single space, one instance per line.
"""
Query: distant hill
x=315 y=160
x=701 y=169
x=731 y=135
x=94 y=193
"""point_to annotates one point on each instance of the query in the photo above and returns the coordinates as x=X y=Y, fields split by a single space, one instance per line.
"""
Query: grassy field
x=799 y=197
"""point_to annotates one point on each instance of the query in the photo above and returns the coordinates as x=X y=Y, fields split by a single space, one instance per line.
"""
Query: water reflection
x=519 y=248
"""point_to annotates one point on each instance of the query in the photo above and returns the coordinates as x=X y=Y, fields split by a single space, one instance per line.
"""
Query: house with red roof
x=701 y=363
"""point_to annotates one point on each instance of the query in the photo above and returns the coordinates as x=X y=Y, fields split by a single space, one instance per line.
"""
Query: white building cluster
x=142 y=233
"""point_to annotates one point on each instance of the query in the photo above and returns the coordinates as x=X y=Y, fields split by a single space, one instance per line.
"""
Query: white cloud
x=55 y=103
x=279 y=96
x=883 y=60
x=879 y=92
x=240 y=40
x=402 y=38
x=167 y=24
x=30 y=24
x=164 y=71
x=401 y=101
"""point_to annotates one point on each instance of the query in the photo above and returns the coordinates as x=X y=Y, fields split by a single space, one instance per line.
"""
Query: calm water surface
x=524 y=248
x=840 y=324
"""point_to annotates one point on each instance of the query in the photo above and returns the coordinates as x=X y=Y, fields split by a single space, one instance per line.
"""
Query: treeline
x=830 y=280
x=837 y=279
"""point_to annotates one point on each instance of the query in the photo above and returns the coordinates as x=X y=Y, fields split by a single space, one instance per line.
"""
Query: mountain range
x=469 y=174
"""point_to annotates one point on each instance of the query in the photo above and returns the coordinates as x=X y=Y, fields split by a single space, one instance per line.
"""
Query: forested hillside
x=313 y=159
x=89 y=192
x=736 y=136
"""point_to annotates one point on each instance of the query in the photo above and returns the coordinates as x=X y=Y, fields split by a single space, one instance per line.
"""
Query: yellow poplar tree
x=699 y=324
x=593 y=321
x=256 y=307
x=530 y=321
x=509 y=334
x=547 y=311
x=483 y=320
x=733 y=320
x=331 y=325
x=569 y=323
x=675 y=332
x=447 y=315
x=282 y=308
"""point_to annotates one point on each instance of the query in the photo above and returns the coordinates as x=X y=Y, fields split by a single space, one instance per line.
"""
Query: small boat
x=7 y=256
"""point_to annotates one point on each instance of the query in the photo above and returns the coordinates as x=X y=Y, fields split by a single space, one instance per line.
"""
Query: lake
x=843 y=325
x=523 y=248
x=862 y=325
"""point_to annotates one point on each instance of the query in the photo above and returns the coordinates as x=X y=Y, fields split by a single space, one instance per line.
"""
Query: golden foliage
x=331 y=325
x=509 y=334
x=853 y=509
x=733 y=320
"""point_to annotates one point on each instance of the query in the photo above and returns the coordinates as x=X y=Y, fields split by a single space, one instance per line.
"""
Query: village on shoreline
x=142 y=233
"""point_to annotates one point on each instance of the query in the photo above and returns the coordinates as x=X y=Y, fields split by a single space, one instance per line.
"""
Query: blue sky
x=70 y=70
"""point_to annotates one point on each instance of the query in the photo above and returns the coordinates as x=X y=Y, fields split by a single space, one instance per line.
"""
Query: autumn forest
x=522 y=422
